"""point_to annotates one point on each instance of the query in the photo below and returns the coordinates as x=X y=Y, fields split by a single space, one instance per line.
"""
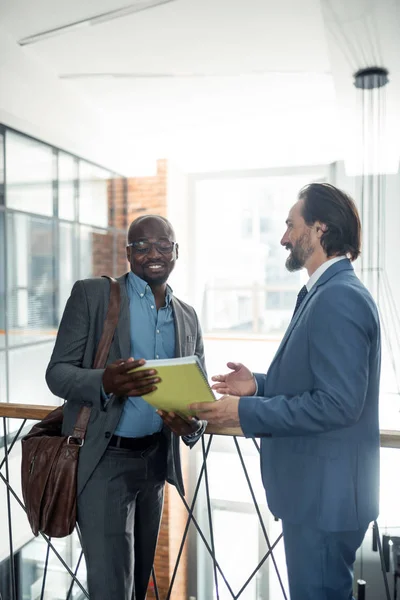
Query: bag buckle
x=71 y=440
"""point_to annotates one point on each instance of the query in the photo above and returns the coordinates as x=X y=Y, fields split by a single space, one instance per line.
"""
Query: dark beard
x=299 y=254
x=156 y=281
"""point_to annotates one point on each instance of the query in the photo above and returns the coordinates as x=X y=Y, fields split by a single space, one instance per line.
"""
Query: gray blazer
x=71 y=377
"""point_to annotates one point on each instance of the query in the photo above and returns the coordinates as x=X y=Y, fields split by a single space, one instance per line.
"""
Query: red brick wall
x=120 y=204
x=102 y=253
x=122 y=265
x=109 y=249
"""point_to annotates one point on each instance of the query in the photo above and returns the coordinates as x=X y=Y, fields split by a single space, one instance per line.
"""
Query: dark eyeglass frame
x=137 y=250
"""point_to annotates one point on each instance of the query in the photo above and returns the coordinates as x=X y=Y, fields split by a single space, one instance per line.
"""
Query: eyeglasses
x=144 y=247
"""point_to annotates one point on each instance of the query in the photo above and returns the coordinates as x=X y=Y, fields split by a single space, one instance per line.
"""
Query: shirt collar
x=321 y=269
x=142 y=288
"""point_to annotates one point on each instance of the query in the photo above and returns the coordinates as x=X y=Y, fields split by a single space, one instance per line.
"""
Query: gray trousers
x=119 y=513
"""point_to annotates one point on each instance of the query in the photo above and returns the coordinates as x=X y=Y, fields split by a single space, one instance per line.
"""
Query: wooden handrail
x=25 y=411
x=389 y=438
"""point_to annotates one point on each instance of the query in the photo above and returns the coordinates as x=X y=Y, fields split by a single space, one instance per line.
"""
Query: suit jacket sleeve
x=260 y=379
x=339 y=351
x=65 y=375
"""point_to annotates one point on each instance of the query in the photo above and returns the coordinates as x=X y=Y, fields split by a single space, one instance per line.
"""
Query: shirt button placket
x=157 y=343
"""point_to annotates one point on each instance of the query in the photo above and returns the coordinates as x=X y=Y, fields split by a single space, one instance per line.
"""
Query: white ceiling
x=210 y=83
x=184 y=35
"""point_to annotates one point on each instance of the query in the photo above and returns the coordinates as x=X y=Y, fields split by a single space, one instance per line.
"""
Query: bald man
x=130 y=449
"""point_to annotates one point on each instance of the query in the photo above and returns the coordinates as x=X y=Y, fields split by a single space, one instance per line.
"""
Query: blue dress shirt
x=152 y=337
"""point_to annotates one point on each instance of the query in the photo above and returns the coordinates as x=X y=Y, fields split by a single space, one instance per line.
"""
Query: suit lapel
x=179 y=328
x=124 y=326
x=328 y=274
x=294 y=321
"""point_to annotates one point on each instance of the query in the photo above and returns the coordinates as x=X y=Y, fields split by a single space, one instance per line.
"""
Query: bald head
x=152 y=250
x=157 y=221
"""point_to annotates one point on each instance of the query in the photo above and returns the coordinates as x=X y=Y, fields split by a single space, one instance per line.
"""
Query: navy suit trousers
x=320 y=563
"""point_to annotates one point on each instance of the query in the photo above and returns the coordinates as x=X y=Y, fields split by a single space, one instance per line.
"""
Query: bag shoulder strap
x=110 y=324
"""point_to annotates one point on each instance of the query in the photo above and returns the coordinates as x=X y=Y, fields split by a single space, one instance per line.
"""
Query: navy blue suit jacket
x=317 y=409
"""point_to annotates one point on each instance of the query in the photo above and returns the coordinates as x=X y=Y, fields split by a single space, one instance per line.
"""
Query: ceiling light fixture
x=186 y=75
x=355 y=28
x=138 y=6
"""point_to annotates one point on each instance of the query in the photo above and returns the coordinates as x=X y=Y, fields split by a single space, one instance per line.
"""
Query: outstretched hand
x=239 y=382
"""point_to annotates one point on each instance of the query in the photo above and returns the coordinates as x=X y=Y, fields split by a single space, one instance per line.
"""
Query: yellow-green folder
x=183 y=382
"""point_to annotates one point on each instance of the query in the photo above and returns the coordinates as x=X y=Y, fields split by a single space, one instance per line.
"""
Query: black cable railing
x=388 y=439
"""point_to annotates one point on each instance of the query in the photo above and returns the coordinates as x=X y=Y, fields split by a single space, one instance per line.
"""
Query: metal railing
x=389 y=439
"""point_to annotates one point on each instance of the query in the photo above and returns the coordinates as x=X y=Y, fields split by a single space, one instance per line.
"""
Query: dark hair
x=333 y=207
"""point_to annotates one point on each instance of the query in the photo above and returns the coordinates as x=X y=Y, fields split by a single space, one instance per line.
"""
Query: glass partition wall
x=62 y=218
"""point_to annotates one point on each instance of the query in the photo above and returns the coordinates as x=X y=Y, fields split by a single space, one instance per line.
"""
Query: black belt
x=141 y=443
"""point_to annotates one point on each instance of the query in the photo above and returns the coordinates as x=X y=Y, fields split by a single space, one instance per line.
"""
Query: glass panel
x=3 y=377
x=1 y=168
x=27 y=384
x=227 y=479
x=94 y=195
x=237 y=561
x=95 y=252
x=4 y=398
x=66 y=264
x=19 y=523
x=30 y=168
x=275 y=590
x=32 y=361
x=31 y=281
x=67 y=177
x=31 y=569
x=2 y=282
x=121 y=263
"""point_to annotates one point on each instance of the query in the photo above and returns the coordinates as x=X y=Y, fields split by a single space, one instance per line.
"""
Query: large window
x=2 y=282
x=67 y=186
x=3 y=377
x=30 y=172
x=95 y=186
x=59 y=221
x=30 y=278
x=67 y=263
x=248 y=289
x=48 y=194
